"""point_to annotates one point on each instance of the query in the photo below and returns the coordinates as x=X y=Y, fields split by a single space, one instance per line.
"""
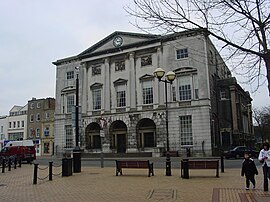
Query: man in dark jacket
x=249 y=170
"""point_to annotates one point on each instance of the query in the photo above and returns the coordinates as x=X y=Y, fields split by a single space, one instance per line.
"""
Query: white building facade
x=122 y=105
x=3 y=128
x=17 y=123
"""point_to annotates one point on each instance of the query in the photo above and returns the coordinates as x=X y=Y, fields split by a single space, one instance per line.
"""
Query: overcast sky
x=34 y=33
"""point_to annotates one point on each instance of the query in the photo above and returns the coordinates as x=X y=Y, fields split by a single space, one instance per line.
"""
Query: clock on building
x=118 y=41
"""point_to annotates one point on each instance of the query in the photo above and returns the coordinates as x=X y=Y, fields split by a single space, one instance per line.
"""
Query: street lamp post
x=170 y=76
x=77 y=150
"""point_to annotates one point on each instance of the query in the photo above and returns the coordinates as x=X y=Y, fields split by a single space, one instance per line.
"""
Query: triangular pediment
x=120 y=82
x=118 y=40
x=147 y=77
x=96 y=85
x=16 y=108
x=68 y=89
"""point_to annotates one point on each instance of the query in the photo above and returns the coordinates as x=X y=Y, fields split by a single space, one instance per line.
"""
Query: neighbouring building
x=122 y=105
x=17 y=123
x=3 y=130
x=40 y=124
x=234 y=115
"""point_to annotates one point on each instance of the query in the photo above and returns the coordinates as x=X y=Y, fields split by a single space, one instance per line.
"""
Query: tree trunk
x=267 y=64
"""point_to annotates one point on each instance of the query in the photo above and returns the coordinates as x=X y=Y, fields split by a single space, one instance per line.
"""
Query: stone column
x=132 y=81
x=107 y=87
x=89 y=101
x=160 y=85
x=84 y=88
x=234 y=110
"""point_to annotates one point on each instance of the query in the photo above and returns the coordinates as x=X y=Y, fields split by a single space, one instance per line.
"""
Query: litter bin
x=66 y=166
x=184 y=169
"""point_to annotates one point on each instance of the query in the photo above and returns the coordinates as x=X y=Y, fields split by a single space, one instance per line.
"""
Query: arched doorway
x=118 y=131
x=92 y=136
x=146 y=133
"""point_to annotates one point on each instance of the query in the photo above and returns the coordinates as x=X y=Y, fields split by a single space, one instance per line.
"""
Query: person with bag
x=264 y=158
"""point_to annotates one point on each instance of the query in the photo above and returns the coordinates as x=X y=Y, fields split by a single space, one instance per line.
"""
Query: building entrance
x=118 y=131
x=121 y=143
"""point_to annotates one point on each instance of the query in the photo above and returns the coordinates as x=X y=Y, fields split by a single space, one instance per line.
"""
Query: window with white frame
x=18 y=124
x=37 y=117
x=184 y=83
x=31 y=117
x=46 y=147
x=147 y=90
x=70 y=75
x=186 y=130
x=37 y=133
x=38 y=105
x=10 y=125
x=181 y=53
x=69 y=136
x=96 y=94
x=70 y=103
x=47 y=131
x=47 y=115
x=22 y=124
x=14 y=124
x=32 y=105
x=121 y=95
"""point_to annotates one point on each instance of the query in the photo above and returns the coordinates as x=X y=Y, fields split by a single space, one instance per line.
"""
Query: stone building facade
x=122 y=105
x=40 y=124
x=235 y=114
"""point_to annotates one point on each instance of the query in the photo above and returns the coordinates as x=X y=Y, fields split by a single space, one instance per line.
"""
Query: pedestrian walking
x=264 y=158
x=249 y=170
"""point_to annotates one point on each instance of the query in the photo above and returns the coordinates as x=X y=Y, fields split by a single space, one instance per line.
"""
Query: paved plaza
x=101 y=185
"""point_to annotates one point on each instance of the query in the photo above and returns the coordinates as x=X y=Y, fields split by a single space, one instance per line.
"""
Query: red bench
x=134 y=164
x=202 y=164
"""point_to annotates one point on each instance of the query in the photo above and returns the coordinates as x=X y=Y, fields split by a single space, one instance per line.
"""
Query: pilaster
x=107 y=87
x=132 y=81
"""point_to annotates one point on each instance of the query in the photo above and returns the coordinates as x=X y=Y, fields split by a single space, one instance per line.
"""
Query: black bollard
x=35 y=173
x=222 y=163
x=50 y=170
x=265 y=177
x=168 y=164
x=3 y=165
x=77 y=161
x=9 y=164
x=184 y=164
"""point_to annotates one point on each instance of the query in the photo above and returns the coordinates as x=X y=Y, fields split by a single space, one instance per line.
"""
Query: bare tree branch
x=243 y=26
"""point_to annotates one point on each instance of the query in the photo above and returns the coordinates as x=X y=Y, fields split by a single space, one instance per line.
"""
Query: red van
x=24 y=149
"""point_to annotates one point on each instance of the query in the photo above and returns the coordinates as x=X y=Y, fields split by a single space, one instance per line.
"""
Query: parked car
x=239 y=151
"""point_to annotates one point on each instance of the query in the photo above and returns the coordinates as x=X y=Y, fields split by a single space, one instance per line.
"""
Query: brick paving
x=101 y=185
